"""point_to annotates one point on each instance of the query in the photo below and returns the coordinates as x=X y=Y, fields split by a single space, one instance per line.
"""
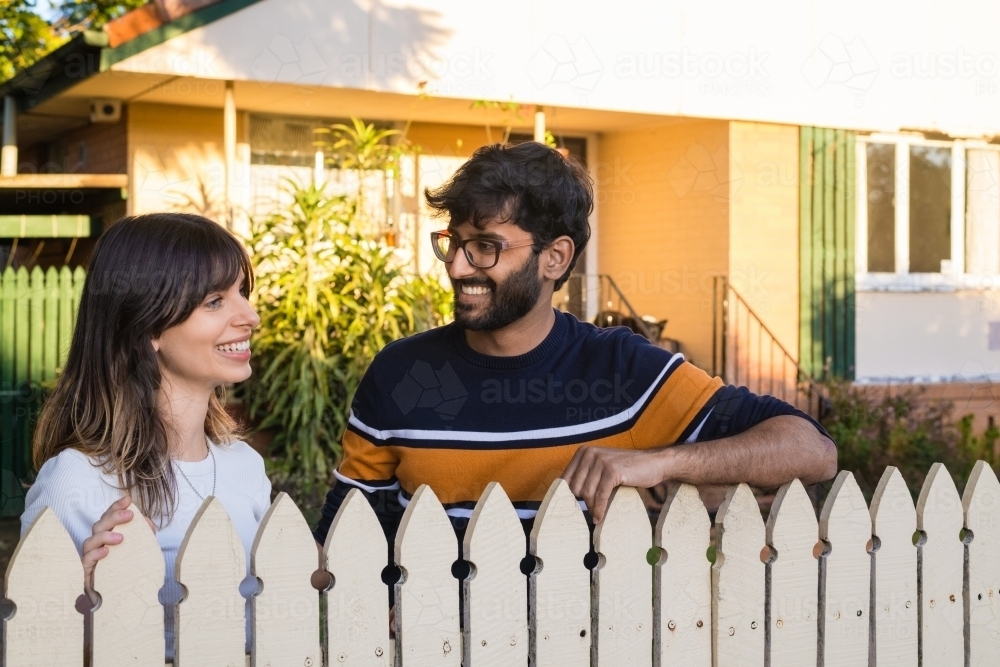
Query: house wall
x=926 y=336
x=176 y=159
x=451 y=140
x=764 y=224
x=663 y=204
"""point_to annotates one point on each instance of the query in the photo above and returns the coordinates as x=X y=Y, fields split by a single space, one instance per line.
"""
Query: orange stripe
x=460 y=475
x=674 y=406
x=364 y=461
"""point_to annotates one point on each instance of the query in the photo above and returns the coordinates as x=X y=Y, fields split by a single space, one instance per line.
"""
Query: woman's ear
x=156 y=344
x=558 y=256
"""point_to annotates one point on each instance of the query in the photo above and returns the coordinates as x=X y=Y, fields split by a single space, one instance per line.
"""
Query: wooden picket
x=210 y=628
x=623 y=581
x=427 y=628
x=37 y=315
x=128 y=581
x=894 y=601
x=738 y=582
x=940 y=570
x=496 y=617
x=559 y=588
x=846 y=527
x=793 y=575
x=791 y=610
x=682 y=588
x=981 y=503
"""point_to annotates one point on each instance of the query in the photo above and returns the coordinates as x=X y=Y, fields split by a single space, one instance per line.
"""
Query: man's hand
x=767 y=455
x=595 y=472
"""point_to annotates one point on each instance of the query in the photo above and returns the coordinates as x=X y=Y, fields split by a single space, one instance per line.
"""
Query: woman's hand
x=97 y=545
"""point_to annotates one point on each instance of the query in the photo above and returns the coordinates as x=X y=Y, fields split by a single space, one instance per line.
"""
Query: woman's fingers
x=102 y=539
x=115 y=515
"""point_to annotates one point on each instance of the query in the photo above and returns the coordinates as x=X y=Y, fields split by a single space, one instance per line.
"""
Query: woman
x=137 y=413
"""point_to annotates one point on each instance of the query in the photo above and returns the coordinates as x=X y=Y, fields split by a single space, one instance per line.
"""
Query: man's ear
x=557 y=257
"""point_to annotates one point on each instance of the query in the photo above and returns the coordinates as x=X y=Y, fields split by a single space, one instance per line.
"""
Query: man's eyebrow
x=478 y=235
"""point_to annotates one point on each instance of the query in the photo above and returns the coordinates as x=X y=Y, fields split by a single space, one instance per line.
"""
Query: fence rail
x=37 y=316
x=793 y=592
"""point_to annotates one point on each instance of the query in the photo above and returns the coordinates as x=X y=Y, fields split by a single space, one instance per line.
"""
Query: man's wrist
x=666 y=463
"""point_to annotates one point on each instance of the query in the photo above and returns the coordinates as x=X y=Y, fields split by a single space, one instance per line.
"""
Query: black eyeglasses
x=481 y=253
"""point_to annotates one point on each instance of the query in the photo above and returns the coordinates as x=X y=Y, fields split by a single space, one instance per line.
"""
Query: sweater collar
x=544 y=349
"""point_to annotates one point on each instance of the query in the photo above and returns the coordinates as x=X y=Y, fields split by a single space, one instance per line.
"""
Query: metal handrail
x=726 y=332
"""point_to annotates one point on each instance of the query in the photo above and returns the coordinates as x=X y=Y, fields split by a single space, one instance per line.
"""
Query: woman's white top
x=79 y=492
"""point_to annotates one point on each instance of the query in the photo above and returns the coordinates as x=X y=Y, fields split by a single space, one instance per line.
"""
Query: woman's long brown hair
x=148 y=273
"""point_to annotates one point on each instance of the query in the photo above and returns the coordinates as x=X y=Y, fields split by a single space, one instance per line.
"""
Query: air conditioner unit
x=105 y=111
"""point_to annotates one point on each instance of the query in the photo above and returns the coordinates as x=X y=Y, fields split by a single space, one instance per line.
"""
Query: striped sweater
x=431 y=410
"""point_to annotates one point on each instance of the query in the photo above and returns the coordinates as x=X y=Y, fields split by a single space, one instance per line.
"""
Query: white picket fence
x=851 y=589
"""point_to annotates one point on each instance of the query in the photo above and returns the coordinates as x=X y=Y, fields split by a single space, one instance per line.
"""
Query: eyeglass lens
x=480 y=253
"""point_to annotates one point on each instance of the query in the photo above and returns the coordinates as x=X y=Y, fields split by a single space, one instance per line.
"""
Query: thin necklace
x=181 y=471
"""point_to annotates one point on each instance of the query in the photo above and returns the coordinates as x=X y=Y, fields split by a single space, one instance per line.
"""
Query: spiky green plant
x=329 y=299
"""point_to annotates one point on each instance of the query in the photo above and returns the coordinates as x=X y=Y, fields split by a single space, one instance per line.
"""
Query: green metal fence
x=37 y=316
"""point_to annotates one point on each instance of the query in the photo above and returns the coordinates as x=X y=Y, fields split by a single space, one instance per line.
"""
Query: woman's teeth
x=243 y=346
x=475 y=289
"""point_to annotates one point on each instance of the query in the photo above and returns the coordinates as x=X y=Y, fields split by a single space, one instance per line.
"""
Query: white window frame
x=902 y=279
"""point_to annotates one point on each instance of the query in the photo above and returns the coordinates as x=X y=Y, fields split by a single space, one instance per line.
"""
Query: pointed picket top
x=43 y=580
x=894 y=521
x=128 y=580
x=846 y=526
x=286 y=609
x=940 y=517
x=981 y=503
x=357 y=608
x=792 y=532
x=496 y=618
x=738 y=582
x=622 y=582
x=559 y=592
x=682 y=582
x=427 y=628
x=210 y=622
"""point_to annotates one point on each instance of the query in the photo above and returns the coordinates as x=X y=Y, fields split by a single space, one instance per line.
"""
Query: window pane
x=930 y=208
x=881 y=207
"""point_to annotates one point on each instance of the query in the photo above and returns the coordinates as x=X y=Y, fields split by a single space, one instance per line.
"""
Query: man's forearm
x=767 y=455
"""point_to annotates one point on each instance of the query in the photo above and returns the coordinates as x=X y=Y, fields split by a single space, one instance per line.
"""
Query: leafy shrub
x=873 y=431
x=329 y=299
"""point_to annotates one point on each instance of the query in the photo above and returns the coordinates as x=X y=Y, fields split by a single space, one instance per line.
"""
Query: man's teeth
x=475 y=289
x=234 y=347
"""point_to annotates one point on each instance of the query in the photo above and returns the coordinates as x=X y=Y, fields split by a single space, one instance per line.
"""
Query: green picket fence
x=37 y=316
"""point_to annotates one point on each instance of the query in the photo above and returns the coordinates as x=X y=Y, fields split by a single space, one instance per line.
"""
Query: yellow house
x=795 y=196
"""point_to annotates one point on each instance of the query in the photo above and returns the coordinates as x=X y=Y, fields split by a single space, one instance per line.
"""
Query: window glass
x=930 y=208
x=881 y=207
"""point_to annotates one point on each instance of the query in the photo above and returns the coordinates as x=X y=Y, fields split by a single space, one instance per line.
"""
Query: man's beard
x=509 y=301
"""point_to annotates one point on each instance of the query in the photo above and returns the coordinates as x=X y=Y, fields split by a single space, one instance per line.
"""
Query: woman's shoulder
x=71 y=462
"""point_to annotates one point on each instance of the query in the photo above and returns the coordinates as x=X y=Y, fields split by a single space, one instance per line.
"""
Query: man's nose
x=460 y=267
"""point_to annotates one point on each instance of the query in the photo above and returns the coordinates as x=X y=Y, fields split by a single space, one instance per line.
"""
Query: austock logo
x=424 y=387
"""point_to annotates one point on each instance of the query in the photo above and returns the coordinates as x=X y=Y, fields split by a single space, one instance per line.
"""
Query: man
x=516 y=392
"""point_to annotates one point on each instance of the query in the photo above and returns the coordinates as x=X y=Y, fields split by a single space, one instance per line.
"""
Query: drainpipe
x=540 y=124
x=8 y=160
x=229 y=144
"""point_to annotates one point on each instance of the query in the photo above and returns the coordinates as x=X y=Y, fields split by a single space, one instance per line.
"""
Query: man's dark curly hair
x=528 y=184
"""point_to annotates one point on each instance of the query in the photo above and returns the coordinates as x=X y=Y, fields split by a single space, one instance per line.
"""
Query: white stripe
x=364 y=487
x=462 y=513
x=535 y=434
x=694 y=436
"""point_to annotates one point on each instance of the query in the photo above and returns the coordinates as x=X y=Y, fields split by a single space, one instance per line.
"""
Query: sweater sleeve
x=75 y=490
x=368 y=464
x=733 y=410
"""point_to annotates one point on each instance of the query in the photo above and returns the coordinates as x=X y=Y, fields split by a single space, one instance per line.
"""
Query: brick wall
x=764 y=224
x=663 y=211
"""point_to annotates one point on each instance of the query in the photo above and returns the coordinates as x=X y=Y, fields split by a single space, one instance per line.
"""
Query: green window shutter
x=826 y=252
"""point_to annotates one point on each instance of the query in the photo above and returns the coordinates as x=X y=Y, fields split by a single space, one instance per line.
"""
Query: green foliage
x=92 y=14
x=876 y=428
x=329 y=299
x=25 y=36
